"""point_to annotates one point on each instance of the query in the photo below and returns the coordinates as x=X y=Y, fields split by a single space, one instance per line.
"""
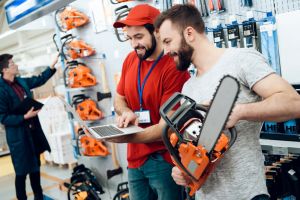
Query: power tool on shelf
x=77 y=75
x=198 y=143
x=68 y=18
x=73 y=48
x=86 y=107
x=90 y=146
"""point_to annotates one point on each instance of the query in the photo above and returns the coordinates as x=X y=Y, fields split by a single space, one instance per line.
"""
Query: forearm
x=120 y=106
x=150 y=134
x=279 y=107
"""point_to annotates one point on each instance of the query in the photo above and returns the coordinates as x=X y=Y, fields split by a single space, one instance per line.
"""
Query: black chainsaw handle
x=173 y=152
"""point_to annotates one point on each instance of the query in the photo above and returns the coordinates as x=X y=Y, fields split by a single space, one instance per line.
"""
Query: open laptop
x=101 y=131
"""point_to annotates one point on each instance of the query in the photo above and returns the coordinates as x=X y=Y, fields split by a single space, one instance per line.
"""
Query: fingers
x=126 y=118
x=179 y=177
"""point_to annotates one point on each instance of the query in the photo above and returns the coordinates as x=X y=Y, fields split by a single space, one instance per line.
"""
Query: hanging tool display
x=269 y=41
x=86 y=108
x=122 y=192
x=83 y=185
x=68 y=18
x=106 y=93
x=246 y=3
x=218 y=34
x=90 y=146
x=233 y=33
x=216 y=6
x=197 y=144
x=73 y=48
x=250 y=32
x=77 y=75
x=121 y=13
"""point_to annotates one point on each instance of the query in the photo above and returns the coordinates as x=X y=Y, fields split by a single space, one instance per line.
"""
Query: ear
x=156 y=34
x=189 y=34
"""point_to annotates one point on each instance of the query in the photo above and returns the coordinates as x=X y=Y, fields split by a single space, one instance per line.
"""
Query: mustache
x=172 y=54
x=139 y=47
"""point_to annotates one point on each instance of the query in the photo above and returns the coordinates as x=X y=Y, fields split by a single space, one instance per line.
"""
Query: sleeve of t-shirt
x=173 y=82
x=254 y=68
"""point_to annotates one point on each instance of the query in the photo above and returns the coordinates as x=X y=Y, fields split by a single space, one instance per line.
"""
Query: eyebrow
x=165 y=40
x=136 y=35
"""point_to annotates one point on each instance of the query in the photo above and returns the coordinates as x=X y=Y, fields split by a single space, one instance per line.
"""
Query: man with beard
x=148 y=79
x=264 y=96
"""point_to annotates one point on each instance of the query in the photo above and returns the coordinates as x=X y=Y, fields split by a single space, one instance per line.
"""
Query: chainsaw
x=198 y=143
x=77 y=75
x=86 y=108
x=68 y=18
x=74 y=48
x=90 y=146
x=121 y=13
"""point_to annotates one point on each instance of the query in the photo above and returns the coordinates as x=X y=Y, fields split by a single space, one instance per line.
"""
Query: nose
x=166 y=49
x=134 y=43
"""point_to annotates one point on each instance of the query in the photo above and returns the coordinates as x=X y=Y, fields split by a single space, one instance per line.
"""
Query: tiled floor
x=51 y=176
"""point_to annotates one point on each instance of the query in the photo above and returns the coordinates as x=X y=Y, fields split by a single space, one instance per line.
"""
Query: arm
x=126 y=116
x=37 y=81
x=280 y=102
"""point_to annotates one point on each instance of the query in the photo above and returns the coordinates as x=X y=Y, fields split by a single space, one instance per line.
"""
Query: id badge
x=144 y=116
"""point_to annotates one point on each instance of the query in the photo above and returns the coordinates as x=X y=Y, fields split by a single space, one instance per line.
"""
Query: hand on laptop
x=126 y=118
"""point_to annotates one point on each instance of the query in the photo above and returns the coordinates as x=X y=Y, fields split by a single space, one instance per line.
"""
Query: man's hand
x=31 y=113
x=235 y=116
x=126 y=118
x=179 y=177
x=54 y=61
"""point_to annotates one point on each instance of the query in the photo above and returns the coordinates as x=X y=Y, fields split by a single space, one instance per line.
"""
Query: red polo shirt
x=162 y=83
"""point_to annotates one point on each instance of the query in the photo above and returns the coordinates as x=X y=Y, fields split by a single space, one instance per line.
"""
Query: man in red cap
x=148 y=79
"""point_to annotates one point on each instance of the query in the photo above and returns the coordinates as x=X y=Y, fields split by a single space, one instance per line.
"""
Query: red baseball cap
x=138 y=16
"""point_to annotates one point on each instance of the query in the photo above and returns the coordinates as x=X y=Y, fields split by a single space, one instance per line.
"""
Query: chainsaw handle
x=233 y=136
x=175 y=154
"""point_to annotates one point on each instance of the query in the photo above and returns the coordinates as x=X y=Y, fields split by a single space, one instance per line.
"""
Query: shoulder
x=249 y=54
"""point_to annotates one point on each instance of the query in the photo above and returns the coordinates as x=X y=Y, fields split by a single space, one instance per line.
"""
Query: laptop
x=101 y=131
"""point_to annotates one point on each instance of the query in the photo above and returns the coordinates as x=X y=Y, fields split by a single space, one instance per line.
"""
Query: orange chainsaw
x=91 y=146
x=77 y=75
x=198 y=143
x=86 y=108
x=68 y=18
x=74 y=48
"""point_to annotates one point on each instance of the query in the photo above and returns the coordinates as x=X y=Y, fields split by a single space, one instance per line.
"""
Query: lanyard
x=141 y=87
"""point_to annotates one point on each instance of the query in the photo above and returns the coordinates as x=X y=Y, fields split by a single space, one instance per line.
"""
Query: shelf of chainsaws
x=79 y=78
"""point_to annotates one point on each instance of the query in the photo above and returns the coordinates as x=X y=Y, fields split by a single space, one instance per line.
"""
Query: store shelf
x=280 y=147
x=280 y=136
x=4 y=153
x=79 y=89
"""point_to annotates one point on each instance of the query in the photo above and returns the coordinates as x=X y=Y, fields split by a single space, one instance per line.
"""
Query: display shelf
x=79 y=89
x=280 y=136
x=280 y=147
x=4 y=153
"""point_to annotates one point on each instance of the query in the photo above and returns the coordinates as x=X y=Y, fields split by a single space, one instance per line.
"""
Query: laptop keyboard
x=107 y=130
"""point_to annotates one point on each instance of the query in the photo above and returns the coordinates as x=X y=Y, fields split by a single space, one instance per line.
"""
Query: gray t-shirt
x=240 y=174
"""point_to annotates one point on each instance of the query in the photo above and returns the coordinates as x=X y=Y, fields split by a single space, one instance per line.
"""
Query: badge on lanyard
x=144 y=116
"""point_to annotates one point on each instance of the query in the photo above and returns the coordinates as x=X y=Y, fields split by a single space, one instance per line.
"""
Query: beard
x=184 y=56
x=148 y=52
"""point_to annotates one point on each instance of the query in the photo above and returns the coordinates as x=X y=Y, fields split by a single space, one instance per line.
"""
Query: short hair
x=182 y=16
x=4 y=58
x=149 y=27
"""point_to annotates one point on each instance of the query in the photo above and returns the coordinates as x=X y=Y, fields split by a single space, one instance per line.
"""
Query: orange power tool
x=86 y=108
x=91 y=146
x=68 y=18
x=197 y=144
x=74 y=48
x=77 y=75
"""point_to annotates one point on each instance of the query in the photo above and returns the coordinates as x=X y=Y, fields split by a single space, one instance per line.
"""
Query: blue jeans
x=153 y=181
